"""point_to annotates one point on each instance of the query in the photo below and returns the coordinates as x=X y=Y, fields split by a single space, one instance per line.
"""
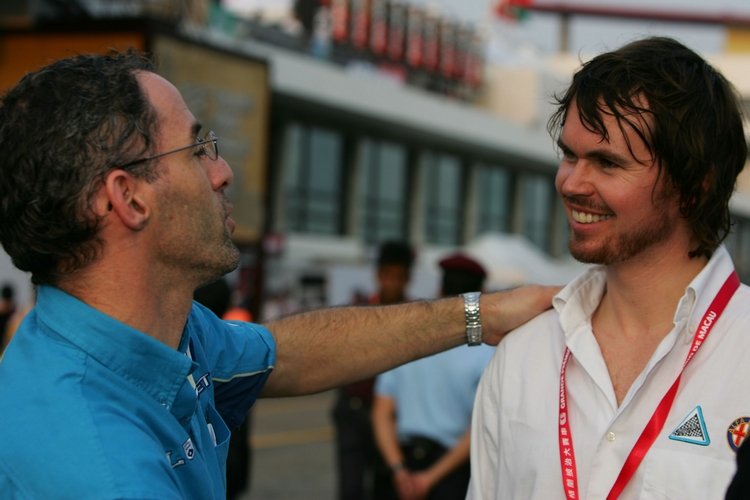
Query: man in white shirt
x=590 y=399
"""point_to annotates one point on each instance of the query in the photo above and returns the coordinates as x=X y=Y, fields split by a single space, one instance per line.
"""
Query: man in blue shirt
x=118 y=385
x=422 y=410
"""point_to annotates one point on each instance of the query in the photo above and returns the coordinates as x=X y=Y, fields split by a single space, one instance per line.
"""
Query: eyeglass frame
x=209 y=137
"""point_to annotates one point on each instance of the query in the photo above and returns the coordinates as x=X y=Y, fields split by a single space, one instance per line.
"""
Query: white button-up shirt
x=514 y=448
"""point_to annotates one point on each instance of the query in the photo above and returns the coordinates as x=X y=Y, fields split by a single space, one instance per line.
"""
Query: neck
x=637 y=311
x=642 y=294
x=142 y=299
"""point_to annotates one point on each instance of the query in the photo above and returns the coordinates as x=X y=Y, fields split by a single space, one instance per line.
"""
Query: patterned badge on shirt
x=692 y=429
x=737 y=432
x=189 y=449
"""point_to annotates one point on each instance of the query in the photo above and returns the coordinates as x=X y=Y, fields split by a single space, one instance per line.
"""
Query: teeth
x=588 y=218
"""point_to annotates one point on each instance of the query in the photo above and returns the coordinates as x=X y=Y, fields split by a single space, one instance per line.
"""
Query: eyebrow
x=195 y=129
x=563 y=147
x=597 y=154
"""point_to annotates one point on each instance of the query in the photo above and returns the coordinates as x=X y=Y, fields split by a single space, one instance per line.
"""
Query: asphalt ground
x=292 y=441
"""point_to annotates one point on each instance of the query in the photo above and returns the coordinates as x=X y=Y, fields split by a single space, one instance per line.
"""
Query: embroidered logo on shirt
x=177 y=462
x=737 y=432
x=202 y=384
x=188 y=448
x=692 y=429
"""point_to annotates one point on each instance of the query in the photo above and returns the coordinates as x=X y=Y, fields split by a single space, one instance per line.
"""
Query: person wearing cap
x=422 y=410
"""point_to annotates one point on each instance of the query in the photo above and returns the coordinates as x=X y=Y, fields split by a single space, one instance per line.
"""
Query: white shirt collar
x=577 y=302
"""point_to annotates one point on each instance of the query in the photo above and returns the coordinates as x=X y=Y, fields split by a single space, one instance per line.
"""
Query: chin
x=233 y=261
x=600 y=255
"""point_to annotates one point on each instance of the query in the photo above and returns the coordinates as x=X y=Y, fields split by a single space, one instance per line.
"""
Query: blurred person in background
x=362 y=474
x=422 y=410
x=117 y=384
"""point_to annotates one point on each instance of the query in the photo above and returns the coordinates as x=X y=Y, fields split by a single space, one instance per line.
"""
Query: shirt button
x=610 y=436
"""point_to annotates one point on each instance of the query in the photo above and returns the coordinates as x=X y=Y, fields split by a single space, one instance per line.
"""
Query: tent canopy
x=511 y=260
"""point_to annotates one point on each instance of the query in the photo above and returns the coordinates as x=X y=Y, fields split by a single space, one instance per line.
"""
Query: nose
x=574 y=178
x=220 y=173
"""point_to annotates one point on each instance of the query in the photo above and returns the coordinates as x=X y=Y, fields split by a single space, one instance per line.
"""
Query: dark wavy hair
x=62 y=128
x=693 y=123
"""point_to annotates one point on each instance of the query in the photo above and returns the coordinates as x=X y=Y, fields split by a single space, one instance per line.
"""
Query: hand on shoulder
x=503 y=311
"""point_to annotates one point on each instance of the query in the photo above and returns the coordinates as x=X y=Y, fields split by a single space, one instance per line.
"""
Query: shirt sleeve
x=485 y=431
x=385 y=384
x=240 y=357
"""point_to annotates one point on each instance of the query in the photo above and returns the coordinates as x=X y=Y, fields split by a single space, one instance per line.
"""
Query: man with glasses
x=118 y=385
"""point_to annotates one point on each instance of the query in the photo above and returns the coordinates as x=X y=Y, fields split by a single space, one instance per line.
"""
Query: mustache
x=227 y=206
x=585 y=202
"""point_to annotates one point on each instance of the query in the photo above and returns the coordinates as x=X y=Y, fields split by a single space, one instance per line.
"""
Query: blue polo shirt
x=91 y=408
x=434 y=396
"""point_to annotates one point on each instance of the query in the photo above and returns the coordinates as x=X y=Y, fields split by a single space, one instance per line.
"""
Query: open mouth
x=587 y=217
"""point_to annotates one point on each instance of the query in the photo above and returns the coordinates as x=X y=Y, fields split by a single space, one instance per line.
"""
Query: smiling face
x=191 y=224
x=618 y=206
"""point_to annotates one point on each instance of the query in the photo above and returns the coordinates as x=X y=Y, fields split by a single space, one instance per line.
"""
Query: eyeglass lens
x=210 y=143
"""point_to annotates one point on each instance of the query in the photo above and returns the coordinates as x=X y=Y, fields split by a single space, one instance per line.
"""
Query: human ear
x=123 y=194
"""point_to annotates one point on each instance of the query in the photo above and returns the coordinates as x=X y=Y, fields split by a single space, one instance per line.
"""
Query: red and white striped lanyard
x=654 y=425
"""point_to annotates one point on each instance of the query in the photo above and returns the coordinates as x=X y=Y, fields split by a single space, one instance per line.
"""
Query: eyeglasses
x=208 y=146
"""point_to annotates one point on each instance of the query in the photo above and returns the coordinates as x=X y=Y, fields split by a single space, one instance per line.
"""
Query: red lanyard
x=655 y=424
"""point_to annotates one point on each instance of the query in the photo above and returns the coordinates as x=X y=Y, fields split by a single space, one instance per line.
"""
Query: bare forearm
x=332 y=347
x=454 y=458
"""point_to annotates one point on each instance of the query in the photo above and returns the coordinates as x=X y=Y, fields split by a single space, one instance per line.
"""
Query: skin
x=635 y=230
x=603 y=180
x=163 y=239
x=392 y=282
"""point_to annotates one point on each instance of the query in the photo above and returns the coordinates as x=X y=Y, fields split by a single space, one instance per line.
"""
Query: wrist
x=397 y=467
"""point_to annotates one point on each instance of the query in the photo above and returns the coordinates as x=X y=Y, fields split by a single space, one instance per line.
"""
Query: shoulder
x=202 y=323
x=737 y=313
x=387 y=382
x=740 y=299
x=540 y=328
x=228 y=341
x=541 y=340
x=64 y=447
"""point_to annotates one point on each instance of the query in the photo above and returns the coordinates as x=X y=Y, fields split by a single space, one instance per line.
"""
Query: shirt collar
x=703 y=289
x=584 y=293
x=148 y=363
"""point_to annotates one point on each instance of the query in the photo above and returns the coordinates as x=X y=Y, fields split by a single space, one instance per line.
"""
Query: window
x=442 y=194
x=535 y=202
x=561 y=231
x=493 y=199
x=383 y=184
x=312 y=180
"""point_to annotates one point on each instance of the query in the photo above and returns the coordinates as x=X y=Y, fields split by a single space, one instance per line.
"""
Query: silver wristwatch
x=473 y=323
